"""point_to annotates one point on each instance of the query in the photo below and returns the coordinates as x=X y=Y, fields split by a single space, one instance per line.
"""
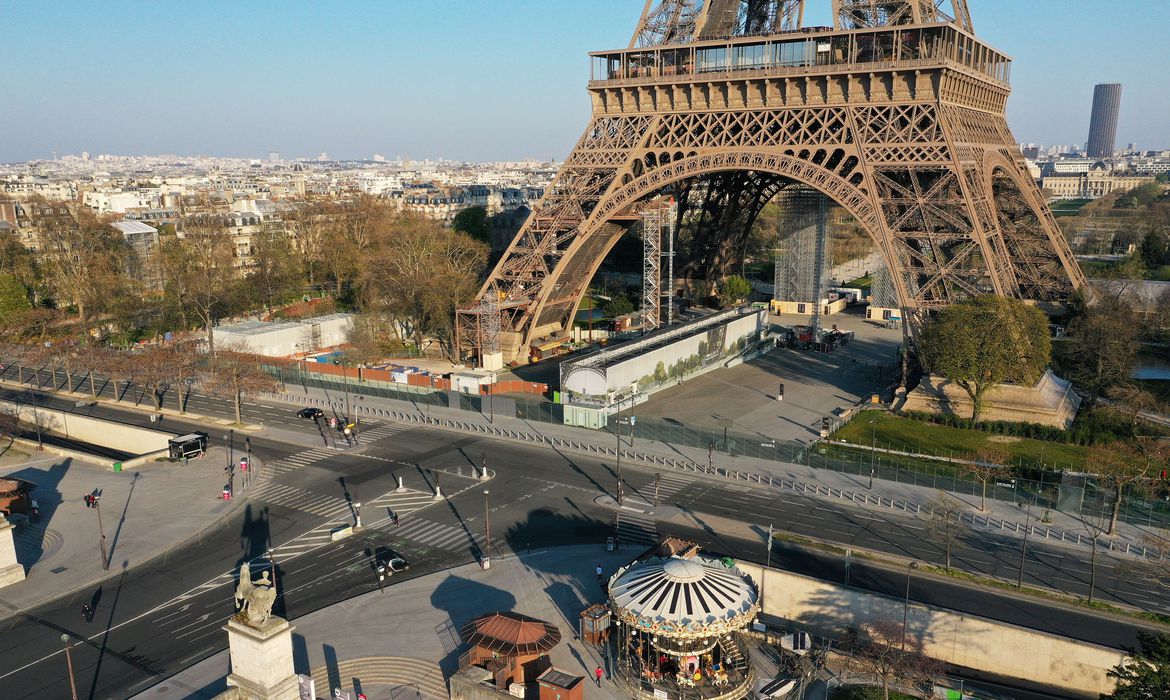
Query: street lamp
x=906 y=610
x=872 y=450
x=69 y=663
x=1024 y=549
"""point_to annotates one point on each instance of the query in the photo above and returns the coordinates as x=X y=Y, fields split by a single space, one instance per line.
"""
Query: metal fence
x=1043 y=489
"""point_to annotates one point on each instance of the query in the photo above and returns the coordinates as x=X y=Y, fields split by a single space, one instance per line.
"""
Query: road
x=167 y=614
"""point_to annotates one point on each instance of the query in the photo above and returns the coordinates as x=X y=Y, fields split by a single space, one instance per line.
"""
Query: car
x=311 y=413
x=388 y=566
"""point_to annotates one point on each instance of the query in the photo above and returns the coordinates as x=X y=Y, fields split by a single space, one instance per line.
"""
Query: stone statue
x=254 y=598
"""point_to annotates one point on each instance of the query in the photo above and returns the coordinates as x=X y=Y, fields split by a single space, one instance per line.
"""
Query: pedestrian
x=395 y=517
x=598 y=673
x=36 y=511
x=599 y=573
x=87 y=612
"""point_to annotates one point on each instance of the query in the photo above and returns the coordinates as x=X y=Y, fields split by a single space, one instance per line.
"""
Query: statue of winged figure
x=255 y=598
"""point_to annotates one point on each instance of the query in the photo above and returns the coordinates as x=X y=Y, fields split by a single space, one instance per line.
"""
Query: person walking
x=599 y=573
x=87 y=612
x=597 y=673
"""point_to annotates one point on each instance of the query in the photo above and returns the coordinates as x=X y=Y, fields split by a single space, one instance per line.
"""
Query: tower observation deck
x=896 y=113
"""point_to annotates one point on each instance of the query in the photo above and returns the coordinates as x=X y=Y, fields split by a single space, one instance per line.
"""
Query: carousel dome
x=686 y=596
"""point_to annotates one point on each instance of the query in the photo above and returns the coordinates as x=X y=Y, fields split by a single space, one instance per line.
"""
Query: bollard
x=400 y=488
x=438 y=494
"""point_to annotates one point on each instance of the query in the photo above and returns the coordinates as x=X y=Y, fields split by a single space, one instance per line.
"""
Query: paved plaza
x=742 y=399
x=404 y=642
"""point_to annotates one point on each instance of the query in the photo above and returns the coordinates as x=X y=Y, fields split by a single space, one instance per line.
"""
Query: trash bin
x=485 y=563
x=117 y=466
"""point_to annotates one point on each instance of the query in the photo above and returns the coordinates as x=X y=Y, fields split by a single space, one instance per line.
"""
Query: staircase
x=732 y=654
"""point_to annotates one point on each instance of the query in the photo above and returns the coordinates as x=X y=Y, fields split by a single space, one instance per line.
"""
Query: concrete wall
x=1051 y=401
x=963 y=640
x=127 y=438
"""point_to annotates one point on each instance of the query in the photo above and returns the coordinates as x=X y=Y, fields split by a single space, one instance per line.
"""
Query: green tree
x=13 y=299
x=1104 y=342
x=986 y=341
x=1145 y=675
x=618 y=306
x=473 y=221
x=735 y=290
x=1154 y=246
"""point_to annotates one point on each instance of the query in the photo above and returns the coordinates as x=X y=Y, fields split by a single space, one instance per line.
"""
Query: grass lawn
x=897 y=433
x=860 y=283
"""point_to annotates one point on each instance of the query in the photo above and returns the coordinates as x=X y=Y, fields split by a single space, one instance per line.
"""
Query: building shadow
x=463 y=600
x=30 y=540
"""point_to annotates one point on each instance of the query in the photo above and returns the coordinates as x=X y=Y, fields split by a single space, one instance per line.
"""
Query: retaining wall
x=119 y=436
x=963 y=640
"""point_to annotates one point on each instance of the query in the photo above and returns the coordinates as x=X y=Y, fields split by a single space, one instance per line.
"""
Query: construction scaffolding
x=658 y=222
x=881 y=291
x=802 y=253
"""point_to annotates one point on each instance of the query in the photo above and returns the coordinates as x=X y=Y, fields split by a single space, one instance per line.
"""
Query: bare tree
x=234 y=373
x=207 y=268
x=1131 y=400
x=1094 y=526
x=988 y=466
x=885 y=651
x=1119 y=467
x=945 y=523
x=155 y=373
x=119 y=367
x=83 y=257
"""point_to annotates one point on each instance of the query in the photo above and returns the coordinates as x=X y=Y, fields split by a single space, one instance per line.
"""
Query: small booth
x=187 y=446
x=678 y=622
x=14 y=496
x=513 y=647
x=558 y=685
x=595 y=624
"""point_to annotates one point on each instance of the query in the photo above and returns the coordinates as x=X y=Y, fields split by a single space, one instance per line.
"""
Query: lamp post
x=1024 y=548
x=906 y=609
x=872 y=450
x=617 y=433
x=69 y=663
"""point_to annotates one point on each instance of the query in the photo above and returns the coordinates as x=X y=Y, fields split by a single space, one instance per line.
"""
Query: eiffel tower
x=896 y=113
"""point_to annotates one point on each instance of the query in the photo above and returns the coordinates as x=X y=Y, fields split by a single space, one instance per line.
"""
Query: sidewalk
x=384 y=644
x=1001 y=517
x=144 y=512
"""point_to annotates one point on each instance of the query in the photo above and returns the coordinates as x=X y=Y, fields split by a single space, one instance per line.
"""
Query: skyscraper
x=1103 y=123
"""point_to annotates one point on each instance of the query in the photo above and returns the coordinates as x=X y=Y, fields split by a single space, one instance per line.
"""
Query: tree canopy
x=985 y=341
x=735 y=289
x=473 y=221
x=1146 y=675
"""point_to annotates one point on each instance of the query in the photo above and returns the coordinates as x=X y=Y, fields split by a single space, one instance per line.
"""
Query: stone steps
x=386 y=671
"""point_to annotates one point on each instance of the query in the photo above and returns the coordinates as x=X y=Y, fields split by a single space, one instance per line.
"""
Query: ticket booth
x=595 y=623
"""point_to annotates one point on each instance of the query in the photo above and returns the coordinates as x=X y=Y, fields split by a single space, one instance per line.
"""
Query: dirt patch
x=1003 y=438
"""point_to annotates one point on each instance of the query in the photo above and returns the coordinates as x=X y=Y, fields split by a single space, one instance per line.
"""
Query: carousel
x=678 y=621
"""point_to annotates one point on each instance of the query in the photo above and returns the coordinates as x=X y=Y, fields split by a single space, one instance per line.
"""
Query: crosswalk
x=380 y=432
x=635 y=528
x=670 y=484
x=295 y=462
x=437 y=535
x=300 y=499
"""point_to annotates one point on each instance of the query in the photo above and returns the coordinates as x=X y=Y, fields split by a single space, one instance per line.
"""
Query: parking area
x=742 y=399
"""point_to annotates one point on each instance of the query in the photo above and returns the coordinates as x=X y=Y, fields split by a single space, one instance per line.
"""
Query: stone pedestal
x=1051 y=401
x=262 y=660
x=11 y=570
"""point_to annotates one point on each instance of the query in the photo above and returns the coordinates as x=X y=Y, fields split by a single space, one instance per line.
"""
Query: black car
x=311 y=413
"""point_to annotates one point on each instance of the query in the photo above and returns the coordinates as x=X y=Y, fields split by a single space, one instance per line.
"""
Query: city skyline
x=376 y=79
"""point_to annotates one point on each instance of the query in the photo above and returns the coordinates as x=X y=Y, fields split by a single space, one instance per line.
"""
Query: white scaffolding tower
x=802 y=253
x=657 y=224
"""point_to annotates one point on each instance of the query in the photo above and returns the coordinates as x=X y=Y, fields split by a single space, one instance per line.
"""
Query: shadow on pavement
x=30 y=540
x=464 y=600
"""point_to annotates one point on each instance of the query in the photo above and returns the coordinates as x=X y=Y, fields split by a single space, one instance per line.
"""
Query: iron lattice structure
x=896 y=113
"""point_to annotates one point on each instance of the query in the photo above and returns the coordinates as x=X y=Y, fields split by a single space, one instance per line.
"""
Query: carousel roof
x=698 y=596
x=511 y=634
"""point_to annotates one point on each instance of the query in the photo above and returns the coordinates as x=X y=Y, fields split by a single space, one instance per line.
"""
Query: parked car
x=311 y=413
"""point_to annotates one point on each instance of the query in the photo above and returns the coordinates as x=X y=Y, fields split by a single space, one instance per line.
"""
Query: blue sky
x=464 y=79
